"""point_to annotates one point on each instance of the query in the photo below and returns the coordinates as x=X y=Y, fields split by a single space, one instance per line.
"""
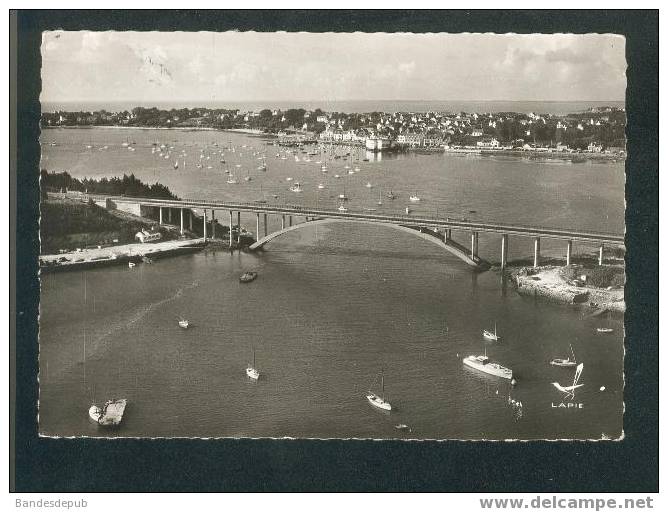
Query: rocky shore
x=572 y=285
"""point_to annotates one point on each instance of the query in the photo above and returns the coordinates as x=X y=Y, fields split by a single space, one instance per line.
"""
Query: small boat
x=337 y=176
x=342 y=208
x=604 y=330
x=491 y=336
x=288 y=179
x=248 y=178
x=183 y=323
x=408 y=210
x=390 y=195
x=483 y=364
x=565 y=362
x=343 y=197
x=232 y=181
x=176 y=165
x=296 y=187
x=247 y=277
x=379 y=400
x=414 y=198
x=321 y=186
x=402 y=426
x=131 y=264
x=251 y=371
x=110 y=414
x=368 y=185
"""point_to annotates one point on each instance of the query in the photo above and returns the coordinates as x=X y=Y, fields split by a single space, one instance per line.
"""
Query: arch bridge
x=437 y=230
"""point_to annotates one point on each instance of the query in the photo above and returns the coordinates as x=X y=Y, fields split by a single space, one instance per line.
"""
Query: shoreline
x=547 y=282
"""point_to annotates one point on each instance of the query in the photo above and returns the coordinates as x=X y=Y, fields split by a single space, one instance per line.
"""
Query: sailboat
x=379 y=400
x=491 y=336
x=251 y=371
x=565 y=362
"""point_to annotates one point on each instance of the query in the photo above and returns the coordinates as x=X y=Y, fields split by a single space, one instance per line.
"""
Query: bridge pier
x=290 y=220
x=600 y=255
x=204 y=231
x=213 y=224
x=169 y=215
x=536 y=252
x=181 y=220
x=239 y=227
x=257 y=226
x=474 y=245
x=190 y=219
x=160 y=208
x=504 y=251
x=569 y=250
x=265 y=224
x=447 y=235
x=282 y=222
x=230 y=232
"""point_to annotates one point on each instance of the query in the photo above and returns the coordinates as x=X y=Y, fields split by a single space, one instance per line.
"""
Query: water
x=333 y=305
x=350 y=106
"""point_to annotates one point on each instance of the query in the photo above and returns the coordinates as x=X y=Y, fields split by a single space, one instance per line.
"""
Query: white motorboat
x=110 y=414
x=565 y=362
x=321 y=186
x=342 y=208
x=604 y=330
x=368 y=185
x=251 y=371
x=183 y=323
x=484 y=364
x=379 y=401
x=414 y=198
x=491 y=336
x=232 y=181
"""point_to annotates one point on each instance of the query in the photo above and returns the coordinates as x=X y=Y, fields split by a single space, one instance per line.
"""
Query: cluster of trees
x=127 y=185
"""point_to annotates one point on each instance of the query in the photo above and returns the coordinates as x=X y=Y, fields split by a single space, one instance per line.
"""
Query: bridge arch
x=449 y=246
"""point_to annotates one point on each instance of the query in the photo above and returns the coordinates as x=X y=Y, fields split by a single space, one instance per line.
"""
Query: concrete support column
x=447 y=235
x=504 y=251
x=282 y=221
x=181 y=220
x=265 y=224
x=600 y=255
x=290 y=220
x=474 y=245
x=569 y=250
x=230 y=232
x=257 y=226
x=169 y=215
x=160 y=208
x=190 y=219
x=213 y=225
x=536 y=252
x=239 y=227
x=204 y=231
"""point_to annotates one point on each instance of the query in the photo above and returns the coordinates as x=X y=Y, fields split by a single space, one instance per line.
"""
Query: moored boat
x=379 y=401
x=604 y=330
x=247 y=277
x=483 y=364
x=251 y=371
x=183 y=323
x=491 y=336
x=110 y=414
x=565 y=362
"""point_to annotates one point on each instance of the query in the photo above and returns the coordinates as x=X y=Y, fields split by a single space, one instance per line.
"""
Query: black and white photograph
x=311 y=235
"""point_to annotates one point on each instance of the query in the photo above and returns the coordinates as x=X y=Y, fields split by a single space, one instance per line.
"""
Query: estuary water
x=333 y=304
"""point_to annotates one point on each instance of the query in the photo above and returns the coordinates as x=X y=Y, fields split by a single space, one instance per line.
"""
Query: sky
x=254 y=66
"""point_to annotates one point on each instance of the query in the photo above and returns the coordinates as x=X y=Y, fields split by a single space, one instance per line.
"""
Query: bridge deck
x=614 y=239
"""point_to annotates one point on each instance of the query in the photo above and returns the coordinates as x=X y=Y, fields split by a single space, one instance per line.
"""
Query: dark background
x=89 y=465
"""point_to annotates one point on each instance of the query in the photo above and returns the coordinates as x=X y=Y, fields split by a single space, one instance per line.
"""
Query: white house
x=147 y=236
